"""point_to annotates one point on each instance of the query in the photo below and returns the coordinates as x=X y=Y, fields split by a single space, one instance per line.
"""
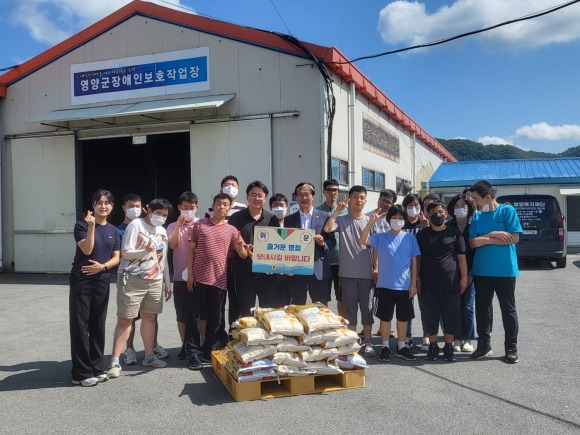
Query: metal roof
x=506 y=172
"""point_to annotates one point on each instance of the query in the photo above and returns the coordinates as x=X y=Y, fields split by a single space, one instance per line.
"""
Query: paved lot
x=538 y=395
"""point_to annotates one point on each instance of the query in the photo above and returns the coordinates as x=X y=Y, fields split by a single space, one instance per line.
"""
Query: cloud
x=409 y=23
x=52 y=21
x=545 y=131
x=494 y=140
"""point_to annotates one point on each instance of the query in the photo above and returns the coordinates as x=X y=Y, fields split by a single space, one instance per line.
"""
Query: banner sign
x=283 y=250
x=142 y=76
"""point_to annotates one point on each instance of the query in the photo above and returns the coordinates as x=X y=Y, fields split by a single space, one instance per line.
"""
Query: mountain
x=465 y=149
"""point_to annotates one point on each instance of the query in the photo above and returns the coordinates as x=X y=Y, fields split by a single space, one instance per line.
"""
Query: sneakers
x=182 y=354
x=467 y=346
x=405 y=353
x=153 y=361
x=206 y=356
x=114 y=371
x=457 y=345
x=129 y=356
x=385 y=355
x=102 y=377
x=511 y=356
x=409 y=342
x=425 y=344
x=89 y=382
x=482 y=351
x=194 y=362
x=433 y=352
x=448 y=353
x=160 y=352
x=368 y=350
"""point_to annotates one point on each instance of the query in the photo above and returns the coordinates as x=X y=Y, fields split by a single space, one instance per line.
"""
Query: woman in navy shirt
x=98 y=251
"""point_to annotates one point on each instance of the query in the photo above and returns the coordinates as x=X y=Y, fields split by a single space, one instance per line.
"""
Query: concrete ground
x=538 y=395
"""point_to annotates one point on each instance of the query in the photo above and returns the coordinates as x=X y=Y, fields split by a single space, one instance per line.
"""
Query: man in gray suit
x=309 y=218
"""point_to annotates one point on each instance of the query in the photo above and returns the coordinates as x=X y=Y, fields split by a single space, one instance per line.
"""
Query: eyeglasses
x=257 y=195
x=386 y=201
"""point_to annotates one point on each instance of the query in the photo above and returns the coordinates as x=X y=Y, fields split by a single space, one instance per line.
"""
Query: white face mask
x=189 y=214
x=133 y=213
x=413 y=212
x=460 y=213
x=230 y=190
x=280 y=212
x=485 y=208
x=157 y=220
x=397 y=224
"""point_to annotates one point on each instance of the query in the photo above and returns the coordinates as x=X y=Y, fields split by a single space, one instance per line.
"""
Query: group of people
x=450 y=255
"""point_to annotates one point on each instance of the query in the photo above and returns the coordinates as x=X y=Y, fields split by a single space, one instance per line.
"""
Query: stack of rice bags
x=331 y=342
x=297 y=341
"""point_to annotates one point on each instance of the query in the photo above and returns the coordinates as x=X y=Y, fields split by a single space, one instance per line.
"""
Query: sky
x=518 y=84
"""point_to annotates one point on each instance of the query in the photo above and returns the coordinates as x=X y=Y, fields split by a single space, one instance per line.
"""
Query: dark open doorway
x=159 y=168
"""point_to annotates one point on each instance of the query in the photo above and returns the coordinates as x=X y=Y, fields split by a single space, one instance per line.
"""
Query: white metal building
x=155 y=101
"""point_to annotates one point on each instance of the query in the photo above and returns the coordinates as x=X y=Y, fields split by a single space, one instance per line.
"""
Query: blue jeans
x=467 y=325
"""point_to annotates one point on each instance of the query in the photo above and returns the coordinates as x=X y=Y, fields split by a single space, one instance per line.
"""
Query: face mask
x=460 y=213
x=231 y=191
x=485 y=208
x=413 y=212
x=438 y=219
x=280 y=212
x=189 y=214
x=157 y=220
x=397 y=224
x=133 y=213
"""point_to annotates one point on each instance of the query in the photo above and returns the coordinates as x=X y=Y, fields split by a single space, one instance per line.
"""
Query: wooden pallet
x=287 y=386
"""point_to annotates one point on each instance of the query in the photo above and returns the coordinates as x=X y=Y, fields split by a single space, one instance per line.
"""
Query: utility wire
x=282 y=19
x=463 y=35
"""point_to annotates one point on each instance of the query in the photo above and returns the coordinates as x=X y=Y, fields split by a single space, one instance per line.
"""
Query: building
x=156 y=101
x=558 y=177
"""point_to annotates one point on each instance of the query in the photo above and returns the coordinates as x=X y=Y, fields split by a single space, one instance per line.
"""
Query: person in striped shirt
x=210 y=241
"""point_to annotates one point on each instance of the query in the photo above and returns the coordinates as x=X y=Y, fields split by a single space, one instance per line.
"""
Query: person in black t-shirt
x=442 y=278
x=249 y=284
x=98 y=250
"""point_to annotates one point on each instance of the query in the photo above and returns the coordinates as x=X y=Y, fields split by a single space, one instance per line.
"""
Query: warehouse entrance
x=158 y=168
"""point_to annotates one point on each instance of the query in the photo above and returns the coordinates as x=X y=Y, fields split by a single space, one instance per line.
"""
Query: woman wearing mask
x=98 y=251
x=416 y=220
x=144 y=253
x=413 y=204
x=462 y=208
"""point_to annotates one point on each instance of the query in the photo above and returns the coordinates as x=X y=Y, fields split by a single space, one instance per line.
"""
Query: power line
x=463 y=35
x=282 y=19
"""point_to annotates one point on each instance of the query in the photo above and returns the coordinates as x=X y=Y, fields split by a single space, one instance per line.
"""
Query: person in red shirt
x=209 y=243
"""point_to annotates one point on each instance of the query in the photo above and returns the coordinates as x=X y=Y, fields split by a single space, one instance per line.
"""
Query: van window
x=535 y=214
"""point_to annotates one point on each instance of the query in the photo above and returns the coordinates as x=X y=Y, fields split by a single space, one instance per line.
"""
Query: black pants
x=209 y=300
x=88 y=302
x=504 y=288
x=262 y=286
x=233 y=312
x=191 y=337
x=300 y=284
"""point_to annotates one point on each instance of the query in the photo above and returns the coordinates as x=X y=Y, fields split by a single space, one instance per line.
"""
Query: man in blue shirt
x=494 y=232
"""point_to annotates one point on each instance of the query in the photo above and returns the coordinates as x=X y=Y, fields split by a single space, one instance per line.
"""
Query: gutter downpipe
x=413 y=162
x=352 y=145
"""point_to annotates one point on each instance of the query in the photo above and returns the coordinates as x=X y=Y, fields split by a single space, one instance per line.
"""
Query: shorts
x=357 y=292
x=120 y=285
x=182 y=299
x=140 y=295
x=389 y=299
x=445 y=306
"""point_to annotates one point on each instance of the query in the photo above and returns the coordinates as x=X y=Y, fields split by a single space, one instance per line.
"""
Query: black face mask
x=438 y=219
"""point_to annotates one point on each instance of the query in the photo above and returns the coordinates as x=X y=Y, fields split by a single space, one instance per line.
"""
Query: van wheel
x=561 y=263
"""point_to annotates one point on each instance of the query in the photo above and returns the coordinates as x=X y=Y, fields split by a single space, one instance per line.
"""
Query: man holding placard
x=309 y=218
